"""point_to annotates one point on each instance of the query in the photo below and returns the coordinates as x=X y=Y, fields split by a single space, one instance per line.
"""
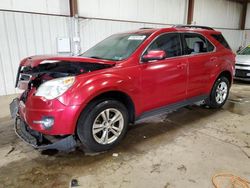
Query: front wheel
x=219 y=93
x=102 y=125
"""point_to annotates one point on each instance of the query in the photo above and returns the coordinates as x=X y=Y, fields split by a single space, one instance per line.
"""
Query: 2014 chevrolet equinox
x=90 y=99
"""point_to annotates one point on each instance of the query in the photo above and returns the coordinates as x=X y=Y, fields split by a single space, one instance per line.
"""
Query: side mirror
x=154 y=55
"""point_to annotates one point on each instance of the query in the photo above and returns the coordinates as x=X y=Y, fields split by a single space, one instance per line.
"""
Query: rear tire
x=102 y=125
x=219 y=93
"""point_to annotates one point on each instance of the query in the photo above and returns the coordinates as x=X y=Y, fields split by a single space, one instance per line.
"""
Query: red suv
x=90 y=100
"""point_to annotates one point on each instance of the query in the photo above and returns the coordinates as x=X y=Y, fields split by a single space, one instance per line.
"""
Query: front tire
x=102 y=125
x=219 y=93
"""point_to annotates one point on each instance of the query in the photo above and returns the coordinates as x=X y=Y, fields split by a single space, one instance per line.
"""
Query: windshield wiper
x=96 y=57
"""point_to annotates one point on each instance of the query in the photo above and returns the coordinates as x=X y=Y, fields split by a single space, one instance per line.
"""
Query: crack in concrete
x=224 y=141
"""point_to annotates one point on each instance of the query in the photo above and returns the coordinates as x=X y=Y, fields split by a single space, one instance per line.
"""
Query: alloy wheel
x=107 y=126
x=221 y=92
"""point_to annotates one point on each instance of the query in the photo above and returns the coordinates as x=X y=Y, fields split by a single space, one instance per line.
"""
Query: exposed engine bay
x=34 y=76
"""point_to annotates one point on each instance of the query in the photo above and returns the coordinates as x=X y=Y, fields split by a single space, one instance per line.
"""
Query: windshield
x=245 y=51
x=116 y=47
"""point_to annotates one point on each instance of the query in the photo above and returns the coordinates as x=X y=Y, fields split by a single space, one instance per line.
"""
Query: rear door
x=164 y=81
x=199 y=53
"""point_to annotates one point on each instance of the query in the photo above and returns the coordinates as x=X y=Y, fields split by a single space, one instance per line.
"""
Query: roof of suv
x=200 y=29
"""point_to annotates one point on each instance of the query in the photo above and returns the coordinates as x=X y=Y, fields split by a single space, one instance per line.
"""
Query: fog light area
x=47 y=122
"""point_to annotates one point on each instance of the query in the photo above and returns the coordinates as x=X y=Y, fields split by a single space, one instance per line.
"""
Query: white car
x=242 y=66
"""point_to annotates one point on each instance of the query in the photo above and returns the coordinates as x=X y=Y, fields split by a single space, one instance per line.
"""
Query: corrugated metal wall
x=23 y=35
x=246 y=38
x=248 y=17
x=157 y=11
x=221 y=14
x=42 y=6
x=217 y=13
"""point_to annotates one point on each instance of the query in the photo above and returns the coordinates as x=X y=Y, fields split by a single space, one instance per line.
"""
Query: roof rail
x=193 y=26
x=146 y=28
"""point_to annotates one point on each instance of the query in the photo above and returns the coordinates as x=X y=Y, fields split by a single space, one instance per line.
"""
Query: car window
x=245 y=51
x=170 y=43
x=210 y=46
x=116 y=47
x=195 y=44
x=221 y=39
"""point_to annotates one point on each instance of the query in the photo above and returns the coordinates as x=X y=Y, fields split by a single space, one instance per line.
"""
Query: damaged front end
x=40 y=119
x=29 y=76
x=41 y=141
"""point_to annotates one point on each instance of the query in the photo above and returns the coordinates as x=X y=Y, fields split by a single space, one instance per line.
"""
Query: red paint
x=150 y=85
x=155 y=55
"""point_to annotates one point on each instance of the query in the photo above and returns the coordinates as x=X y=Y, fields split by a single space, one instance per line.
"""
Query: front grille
x=242 y=73
x=242 y=65
x=25 y=77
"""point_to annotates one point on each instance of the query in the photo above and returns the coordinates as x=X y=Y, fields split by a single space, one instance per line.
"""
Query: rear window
x=195 y=43
x=221 y=39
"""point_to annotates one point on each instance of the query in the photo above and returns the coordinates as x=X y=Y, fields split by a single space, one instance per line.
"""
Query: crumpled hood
x=38 y=69
x=34 y=61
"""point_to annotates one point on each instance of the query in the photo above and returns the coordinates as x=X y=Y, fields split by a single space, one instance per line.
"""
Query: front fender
x=84 y=90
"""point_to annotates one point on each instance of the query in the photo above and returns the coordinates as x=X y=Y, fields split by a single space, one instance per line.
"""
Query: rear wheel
x=219 y=93
x=102 y=125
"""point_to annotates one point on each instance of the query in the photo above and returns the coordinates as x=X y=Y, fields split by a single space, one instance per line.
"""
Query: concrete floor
x=182 y=149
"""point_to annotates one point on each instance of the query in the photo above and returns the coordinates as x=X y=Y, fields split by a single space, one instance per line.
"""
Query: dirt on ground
x=182 y=149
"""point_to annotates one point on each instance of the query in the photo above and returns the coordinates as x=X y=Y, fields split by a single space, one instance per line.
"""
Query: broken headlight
x=54 y=88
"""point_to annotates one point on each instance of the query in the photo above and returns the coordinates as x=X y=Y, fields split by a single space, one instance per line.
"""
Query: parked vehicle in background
x=91 y=99
x=242 y=66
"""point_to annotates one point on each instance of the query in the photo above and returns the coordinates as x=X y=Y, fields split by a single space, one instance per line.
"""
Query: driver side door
x=164 y=81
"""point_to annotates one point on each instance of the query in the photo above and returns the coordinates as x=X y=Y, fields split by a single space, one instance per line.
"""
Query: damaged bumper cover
x=37 y=139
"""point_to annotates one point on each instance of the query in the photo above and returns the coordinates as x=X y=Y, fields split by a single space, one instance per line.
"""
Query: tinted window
x=221 y=40
x=210 y=47
x=170 y=43
x=194 y=43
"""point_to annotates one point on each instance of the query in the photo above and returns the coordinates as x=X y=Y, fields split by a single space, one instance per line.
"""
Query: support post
x=75 y=32
x=190 y=11
x=243 y=15
x=73 y=8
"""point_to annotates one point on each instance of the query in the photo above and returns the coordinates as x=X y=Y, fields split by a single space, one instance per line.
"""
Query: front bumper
x=37 y=139
x=33 y=110
x=40 y=141
x=242 y=75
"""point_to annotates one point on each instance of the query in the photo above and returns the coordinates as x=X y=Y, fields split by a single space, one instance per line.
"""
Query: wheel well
x=228 y=75
x=121 y=97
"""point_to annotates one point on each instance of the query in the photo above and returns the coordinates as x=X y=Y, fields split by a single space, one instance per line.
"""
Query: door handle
x=213 y=59
x=181 y=66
